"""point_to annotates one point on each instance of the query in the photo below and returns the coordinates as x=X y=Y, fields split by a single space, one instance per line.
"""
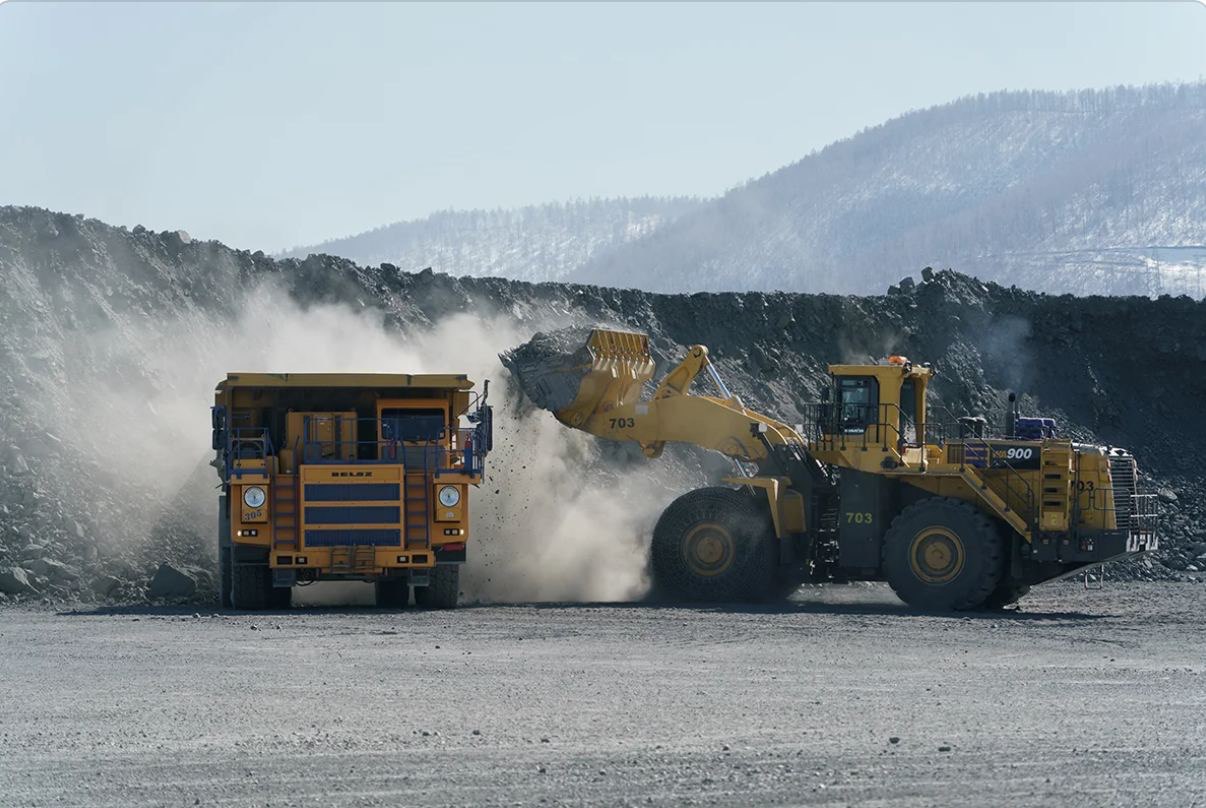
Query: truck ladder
x=284 y=512
x=417 y=509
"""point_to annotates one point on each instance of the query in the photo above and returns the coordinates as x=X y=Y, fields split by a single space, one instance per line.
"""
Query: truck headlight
x=253 y=496
x=450 y=495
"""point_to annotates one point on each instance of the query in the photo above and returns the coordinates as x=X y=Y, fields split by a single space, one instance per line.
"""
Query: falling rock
x=15 y=581
x=171 y=582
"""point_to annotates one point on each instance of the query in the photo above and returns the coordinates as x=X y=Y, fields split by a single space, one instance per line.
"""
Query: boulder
x=171 y=582
x=1166 y=495
x=104 y=585
x=15 y=581
x=54 y=570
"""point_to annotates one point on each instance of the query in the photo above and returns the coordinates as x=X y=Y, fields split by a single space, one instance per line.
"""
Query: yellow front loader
x=952 y=516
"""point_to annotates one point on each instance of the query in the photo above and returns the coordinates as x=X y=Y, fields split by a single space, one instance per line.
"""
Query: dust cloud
x=556 y=520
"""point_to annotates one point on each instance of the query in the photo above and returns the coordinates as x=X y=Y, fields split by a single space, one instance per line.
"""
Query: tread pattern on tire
x=982 y=544
x=752 y=575
x=1006 y=594
x=442 y=590
x=251 y=586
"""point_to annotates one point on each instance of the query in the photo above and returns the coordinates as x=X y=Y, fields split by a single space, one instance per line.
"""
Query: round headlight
x=450 y=495
x=253 y=496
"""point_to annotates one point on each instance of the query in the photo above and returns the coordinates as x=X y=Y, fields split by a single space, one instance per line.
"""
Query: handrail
x=1030 y=513
x=461 y=451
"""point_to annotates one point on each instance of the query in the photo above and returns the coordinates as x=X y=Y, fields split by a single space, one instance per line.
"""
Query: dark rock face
x=1129 y=372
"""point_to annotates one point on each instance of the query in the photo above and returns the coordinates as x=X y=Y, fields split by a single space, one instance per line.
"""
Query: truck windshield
x=412 y=425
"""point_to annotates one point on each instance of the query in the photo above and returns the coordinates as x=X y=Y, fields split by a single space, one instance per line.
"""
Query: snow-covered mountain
x=538 y=243
x=1084 y=192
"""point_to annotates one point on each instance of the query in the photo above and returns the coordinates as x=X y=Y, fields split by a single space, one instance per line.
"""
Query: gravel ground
x=842 y=697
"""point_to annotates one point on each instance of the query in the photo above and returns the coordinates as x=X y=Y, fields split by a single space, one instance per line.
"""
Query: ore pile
x=1129 y=372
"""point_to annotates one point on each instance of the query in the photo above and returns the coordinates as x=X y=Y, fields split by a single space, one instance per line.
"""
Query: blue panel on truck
x=345 y=492
x=337 y=538
x=356 y=515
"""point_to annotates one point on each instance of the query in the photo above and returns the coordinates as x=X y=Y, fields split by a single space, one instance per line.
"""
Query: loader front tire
x=943 y=554
x=715 y=544
x=443 y=588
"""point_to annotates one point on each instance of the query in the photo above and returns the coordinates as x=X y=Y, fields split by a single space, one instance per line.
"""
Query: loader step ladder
x=1056 y=500
x=994 y=501
x=417 y=510
x=352 y=559
x=284 y=512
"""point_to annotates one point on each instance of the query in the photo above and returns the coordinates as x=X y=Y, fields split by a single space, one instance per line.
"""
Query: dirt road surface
x=840 y=698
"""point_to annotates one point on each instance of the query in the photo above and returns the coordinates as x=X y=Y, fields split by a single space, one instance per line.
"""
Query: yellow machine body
x=868 y=452
x=348 y=476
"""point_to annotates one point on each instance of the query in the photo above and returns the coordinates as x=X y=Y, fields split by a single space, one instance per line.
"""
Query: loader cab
x=881 y=404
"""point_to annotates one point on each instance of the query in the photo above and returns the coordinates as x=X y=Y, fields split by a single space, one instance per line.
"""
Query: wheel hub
x=708 y=549
x=936 y=555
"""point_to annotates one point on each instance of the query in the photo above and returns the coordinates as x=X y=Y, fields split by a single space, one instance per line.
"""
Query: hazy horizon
x=276 y=125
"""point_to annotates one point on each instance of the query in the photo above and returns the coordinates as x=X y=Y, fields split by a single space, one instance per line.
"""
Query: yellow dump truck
x=346 y=477
x=951 y=513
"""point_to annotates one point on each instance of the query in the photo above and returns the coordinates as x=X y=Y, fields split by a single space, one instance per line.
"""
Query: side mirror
x=217 y=418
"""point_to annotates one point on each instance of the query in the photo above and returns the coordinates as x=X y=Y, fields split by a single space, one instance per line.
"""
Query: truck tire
x=443 y=588
x=251 y=587
x=715 y=544
x=943 y=554
x=280 y=597
x=225 y=554
x=392 y=594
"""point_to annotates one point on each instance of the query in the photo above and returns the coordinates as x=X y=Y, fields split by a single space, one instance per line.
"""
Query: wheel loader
x=952 y=515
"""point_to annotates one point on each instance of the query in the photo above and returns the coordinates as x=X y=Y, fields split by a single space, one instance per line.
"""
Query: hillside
x=1093 y=192
x=538 y=243
x=111 y=341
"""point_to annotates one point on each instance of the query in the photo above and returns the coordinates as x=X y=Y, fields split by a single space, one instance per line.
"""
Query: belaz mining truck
x=360 y=477
x=952 y=516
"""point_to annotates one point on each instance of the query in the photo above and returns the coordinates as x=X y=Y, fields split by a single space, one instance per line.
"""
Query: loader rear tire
x=1007 y=593
x=392 y=594
x=715 y=544
x=251 y=587
x=943 y=554
x=443 y=588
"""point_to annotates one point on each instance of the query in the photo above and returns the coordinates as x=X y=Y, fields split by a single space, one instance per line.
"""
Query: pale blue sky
x=271 y=125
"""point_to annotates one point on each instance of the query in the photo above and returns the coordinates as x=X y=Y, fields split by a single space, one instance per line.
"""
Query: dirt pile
x=111 y=339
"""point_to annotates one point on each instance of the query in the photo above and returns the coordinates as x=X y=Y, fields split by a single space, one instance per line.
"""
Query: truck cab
x=346 y=477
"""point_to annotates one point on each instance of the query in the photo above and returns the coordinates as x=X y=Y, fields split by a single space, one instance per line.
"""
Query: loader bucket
x=606 y=372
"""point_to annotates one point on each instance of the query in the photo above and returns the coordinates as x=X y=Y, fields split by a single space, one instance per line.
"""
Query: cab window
x=858 y=403
x=908 y=412
x=412 y=425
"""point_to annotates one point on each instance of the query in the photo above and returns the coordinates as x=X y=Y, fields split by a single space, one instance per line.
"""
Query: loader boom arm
x=608 y=403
